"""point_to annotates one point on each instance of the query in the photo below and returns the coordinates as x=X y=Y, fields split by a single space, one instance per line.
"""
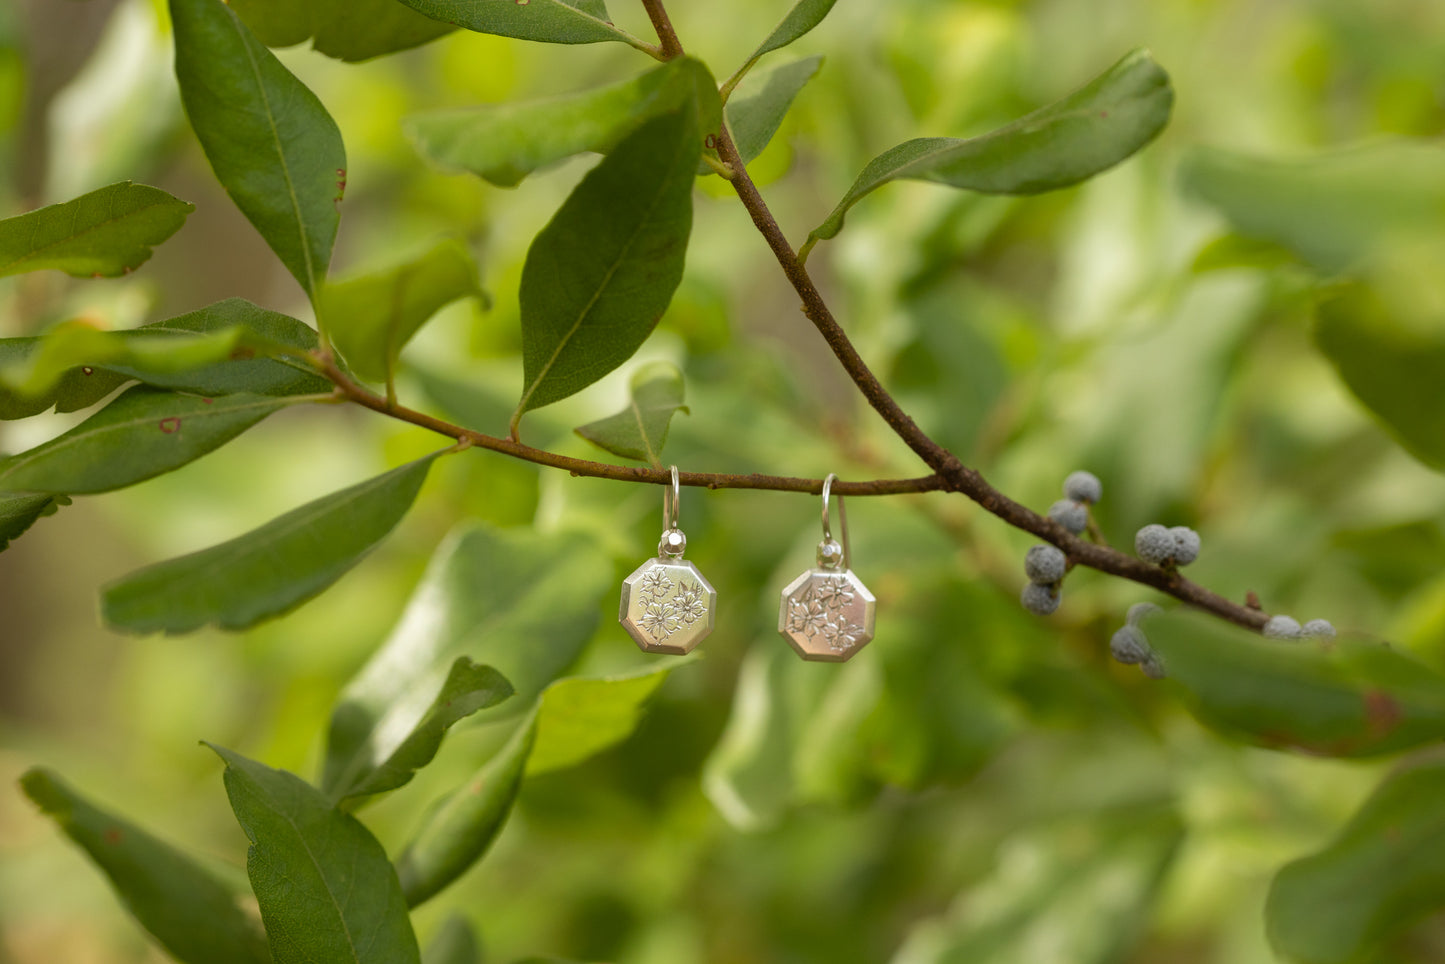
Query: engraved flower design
x=689 y=604
x=842 y=634
x=654 y=584
x=806 y=614
x=836 y=592
x=659 y=619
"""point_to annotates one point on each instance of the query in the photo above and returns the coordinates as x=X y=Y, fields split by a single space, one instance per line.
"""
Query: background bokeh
x=978 y=784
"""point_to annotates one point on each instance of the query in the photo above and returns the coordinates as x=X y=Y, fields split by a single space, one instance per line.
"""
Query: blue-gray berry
x=1186 y=545
x=1318 y=628
x=1083 y=486
x=1072 y=515
x=1040 y=600
x=1139 y=611
x=1129 y=645
x=1282 y=627
x=1045 y=564
x=1155 y=544
x=1153 y=667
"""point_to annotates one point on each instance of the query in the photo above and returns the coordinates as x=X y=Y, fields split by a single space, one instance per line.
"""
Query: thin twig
x=671 y=47
x=603 y=470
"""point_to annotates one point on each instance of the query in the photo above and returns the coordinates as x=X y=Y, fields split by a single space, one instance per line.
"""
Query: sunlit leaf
x=503 y=143
x=1394 y=364
x=1385 y=870
x=349 y=30
x=600 y=274
x=272 y=144
x=468 y=688
x=640 y=430
x=549 y=21
x=105 y=233
x=143 y=433
x=519 y=601
x=454 y=943
x=1086 y=886
x=1343 y=698
x=194 y=915
x=580 y=716
x=755 y=118
x=459 y=829
x=373 y=316
x=1068 y=141
x=326 y=890
x=268 y=571
x=1331 y=209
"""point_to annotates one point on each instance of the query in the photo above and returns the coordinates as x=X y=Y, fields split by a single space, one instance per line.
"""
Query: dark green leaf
x=372 y=317
x=1331 y=209
x=1393 y=363
x=468 y=688
x=600 y=274
x=19 y=512
x=580 y=716
x=1066 y=142
x=805 y=15
x=640 y=430
x=76 y=389
x=349 y=30
x=549 y=21
x=1084 y=885
x=503 y=143
x=190 y=911
x=754 y=119
x=519 y=601
x=326 y=890
x=1385 y=870
x=269 y=571
x=455 y=943
x=271 y=143
x=102 y=234
x=1347 y=698
x=141 y=434
x=459 y=829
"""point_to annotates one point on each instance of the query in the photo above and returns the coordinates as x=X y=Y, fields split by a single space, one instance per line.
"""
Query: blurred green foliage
x=977 y=784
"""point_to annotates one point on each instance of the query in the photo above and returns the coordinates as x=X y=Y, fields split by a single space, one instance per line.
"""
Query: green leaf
x=19 y=512
x=753 y=120
x=1395 y=364
x=268 y=571
x=455 y=943
x=189 y=910
x=503 y=143
x=372 y=317
x=326 y=890
x=1084 y=885
x=803 y=17
x=1331 y=209
x=72 y=388
x=468 y=688
x=640 y=430
x=1385 y=870
x=1066 y=142
x=103 y=234
x=600 y=274
x=580 y=717
x=1346 y=699
x=142 y=434
x=272 y=144
x=519 y=601
x=548 y=21
x=457 y=832
x=349 y=30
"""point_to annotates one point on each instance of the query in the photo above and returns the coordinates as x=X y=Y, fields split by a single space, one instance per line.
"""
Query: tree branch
x=658 y=15
x=351 y=391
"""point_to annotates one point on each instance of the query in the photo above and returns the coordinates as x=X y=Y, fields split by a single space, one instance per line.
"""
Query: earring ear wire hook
x=671 y=500
x=842 y=519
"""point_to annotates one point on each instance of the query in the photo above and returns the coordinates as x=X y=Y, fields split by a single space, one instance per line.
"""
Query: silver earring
x=827 y=613
x=667 y=605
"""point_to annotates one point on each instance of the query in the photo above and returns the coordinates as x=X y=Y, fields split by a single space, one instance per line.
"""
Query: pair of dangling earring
x=825 y=614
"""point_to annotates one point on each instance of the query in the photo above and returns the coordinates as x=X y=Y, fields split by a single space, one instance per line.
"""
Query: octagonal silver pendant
x=667 y=606
x=827 y=614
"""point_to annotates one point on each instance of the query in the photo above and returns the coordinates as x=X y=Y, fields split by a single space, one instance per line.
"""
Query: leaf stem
x=671 y=46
